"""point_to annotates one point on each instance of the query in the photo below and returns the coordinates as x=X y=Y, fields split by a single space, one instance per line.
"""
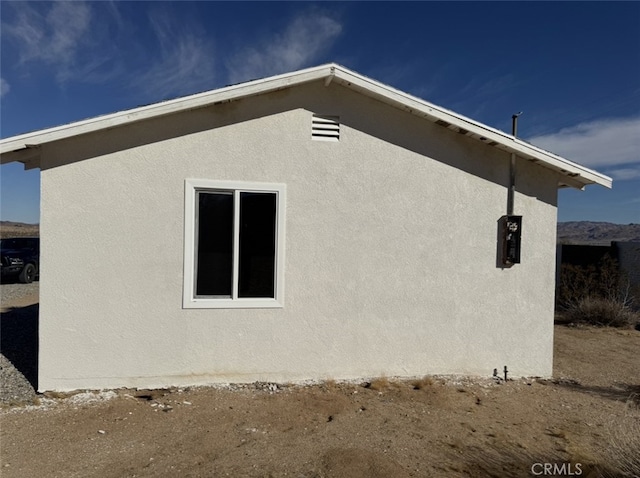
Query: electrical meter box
x=511 y=239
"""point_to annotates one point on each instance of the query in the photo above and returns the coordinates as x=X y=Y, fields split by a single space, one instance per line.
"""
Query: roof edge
x=183 y=103
x=23 y=147
x=480 y=131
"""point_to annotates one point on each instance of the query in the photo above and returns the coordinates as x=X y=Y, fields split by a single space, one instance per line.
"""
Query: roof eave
x=185 y=103
x=24 y=148
x=578 y=176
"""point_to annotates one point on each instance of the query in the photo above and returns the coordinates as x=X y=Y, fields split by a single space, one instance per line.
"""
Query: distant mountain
x=18 y=229
x=586 y=232
x=577 y=232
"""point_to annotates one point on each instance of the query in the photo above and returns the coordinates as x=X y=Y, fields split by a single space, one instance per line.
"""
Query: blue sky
x=572 y=67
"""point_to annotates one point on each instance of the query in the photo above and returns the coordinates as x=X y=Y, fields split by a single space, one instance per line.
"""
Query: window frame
x=190 y=300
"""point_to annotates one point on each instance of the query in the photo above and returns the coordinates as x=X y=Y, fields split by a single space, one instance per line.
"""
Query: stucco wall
x=391 y=244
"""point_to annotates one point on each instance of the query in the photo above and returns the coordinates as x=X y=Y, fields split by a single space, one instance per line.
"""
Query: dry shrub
x=602 y=312
x=596 y=295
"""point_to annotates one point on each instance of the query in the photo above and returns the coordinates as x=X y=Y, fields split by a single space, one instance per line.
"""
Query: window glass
x=214 y=250
x=257 y=245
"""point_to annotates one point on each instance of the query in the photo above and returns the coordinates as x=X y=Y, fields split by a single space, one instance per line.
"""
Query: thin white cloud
x=604 y=144
x=184 y=60
x=4 y=87
x=301 y=43
x=54 y=37
x=622 y=174
x=488 y=87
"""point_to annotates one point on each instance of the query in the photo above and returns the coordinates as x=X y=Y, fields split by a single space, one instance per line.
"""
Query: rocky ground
x=18 y=342
x=586 y=421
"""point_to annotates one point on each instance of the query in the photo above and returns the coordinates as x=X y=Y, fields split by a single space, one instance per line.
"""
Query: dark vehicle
x=20 y=257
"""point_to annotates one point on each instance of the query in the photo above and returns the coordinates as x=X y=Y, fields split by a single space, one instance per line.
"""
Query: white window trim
x=189 y=300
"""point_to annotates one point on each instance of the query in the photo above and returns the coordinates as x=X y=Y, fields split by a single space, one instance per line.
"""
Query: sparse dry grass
x=622 y=456
x=422 y=383
x=379 y=384
x=329 y=385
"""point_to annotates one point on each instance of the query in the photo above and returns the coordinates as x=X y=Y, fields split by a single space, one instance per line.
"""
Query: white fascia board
x=198 y=100
x=580 y=175
x=419 y=107
x=567 y=167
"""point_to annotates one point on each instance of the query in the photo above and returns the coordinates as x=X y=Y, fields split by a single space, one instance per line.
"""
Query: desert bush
x=596 y=295
x=601 y=312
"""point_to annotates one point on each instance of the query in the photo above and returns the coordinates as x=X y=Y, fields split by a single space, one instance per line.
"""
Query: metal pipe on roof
x=514 y=124
x=512 y=168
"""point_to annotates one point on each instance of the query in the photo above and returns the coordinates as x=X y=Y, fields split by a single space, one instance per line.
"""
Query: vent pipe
x=511 y=226
x=514 y=124
x=512 y=167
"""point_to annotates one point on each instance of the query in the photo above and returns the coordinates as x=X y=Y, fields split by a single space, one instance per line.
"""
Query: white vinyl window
x=234 y=244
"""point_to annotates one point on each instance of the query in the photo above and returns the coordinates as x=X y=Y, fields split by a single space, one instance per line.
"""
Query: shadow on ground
x=623 y=392
x=19 y=340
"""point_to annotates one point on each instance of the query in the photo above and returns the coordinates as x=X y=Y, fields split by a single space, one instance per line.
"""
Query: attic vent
x=325 y=128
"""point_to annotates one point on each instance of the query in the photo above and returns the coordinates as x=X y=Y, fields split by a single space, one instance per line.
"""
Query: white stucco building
x=311 y=225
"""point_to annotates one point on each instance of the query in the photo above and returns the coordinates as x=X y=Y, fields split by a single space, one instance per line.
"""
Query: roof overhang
x=25 y=148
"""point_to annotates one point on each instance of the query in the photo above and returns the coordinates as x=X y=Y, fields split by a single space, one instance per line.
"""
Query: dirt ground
x=584 y=422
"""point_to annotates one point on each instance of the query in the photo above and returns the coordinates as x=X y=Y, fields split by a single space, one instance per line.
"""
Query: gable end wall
x=391 y=243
